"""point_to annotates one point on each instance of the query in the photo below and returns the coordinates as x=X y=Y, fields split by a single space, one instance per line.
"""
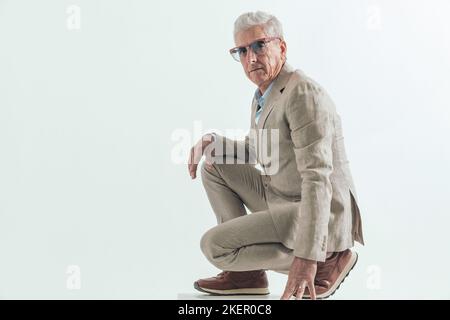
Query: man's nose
x=251 y=56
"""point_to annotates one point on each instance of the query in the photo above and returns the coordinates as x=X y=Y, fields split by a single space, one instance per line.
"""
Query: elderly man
x=304 y=216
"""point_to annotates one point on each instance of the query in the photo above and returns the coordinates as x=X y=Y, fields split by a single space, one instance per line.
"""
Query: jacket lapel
x=253 y=114
x=275 y=93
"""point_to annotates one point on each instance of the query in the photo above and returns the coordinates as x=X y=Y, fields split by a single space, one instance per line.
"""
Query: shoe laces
x=222 y=274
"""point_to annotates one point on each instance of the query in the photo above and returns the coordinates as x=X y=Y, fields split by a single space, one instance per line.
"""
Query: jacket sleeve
x=310 y=119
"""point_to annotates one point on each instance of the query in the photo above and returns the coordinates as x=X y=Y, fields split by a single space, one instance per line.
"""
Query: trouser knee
x=212 y=250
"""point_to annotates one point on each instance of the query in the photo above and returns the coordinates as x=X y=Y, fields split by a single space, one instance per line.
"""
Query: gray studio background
x=89 y=186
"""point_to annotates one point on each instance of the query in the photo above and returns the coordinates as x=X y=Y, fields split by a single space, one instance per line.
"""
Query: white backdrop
x=92 y=91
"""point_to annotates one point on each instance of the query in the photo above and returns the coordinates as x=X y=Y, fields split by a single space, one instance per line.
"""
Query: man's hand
x=301 y=275
x=197 y=152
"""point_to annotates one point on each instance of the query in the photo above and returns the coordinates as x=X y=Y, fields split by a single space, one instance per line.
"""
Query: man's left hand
x=301 y=275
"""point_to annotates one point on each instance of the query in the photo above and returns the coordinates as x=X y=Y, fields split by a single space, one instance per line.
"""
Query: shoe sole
x=349 y=267
x=243 y=291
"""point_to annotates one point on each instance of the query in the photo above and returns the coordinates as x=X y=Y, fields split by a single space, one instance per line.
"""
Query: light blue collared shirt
x=261 y=99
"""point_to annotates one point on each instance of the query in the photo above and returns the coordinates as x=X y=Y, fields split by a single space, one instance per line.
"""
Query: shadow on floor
x=204 y=296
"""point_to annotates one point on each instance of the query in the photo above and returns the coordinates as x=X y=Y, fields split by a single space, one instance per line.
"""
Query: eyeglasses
x=258 y=47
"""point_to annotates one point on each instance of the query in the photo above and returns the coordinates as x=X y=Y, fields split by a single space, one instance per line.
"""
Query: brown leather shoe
x=234 y=283
x=331 y=273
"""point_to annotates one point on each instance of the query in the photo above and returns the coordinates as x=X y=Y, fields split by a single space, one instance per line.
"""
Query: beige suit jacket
x=311 y=195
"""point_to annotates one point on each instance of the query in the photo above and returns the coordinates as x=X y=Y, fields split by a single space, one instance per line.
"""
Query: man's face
x=261 y=69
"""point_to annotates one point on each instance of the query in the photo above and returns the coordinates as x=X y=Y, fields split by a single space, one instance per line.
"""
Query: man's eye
x=259 y=45
x=242 y=51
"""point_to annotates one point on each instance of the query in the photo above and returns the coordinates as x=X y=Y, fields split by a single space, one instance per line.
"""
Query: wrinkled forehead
x=247 y=36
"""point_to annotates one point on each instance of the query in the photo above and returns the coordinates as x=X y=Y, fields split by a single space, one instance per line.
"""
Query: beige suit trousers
x=241 y=241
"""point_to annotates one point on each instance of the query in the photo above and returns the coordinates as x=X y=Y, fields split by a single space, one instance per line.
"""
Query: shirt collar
x=261 y=99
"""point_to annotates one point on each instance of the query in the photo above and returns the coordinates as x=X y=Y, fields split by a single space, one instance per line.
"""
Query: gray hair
x=270 y=23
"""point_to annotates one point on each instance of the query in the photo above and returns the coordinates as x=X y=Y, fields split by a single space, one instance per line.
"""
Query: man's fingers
x=191 y=156
x=288 y=291
x=300 y=291
x=312 y=290
x=193 y=171
x=191 y=163
x=209 y=157
x=194 y=159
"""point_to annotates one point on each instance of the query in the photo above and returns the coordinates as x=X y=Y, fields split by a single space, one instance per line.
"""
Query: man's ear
x=283 y=47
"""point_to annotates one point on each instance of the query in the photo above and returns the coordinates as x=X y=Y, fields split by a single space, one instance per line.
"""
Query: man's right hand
x=197 y=152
